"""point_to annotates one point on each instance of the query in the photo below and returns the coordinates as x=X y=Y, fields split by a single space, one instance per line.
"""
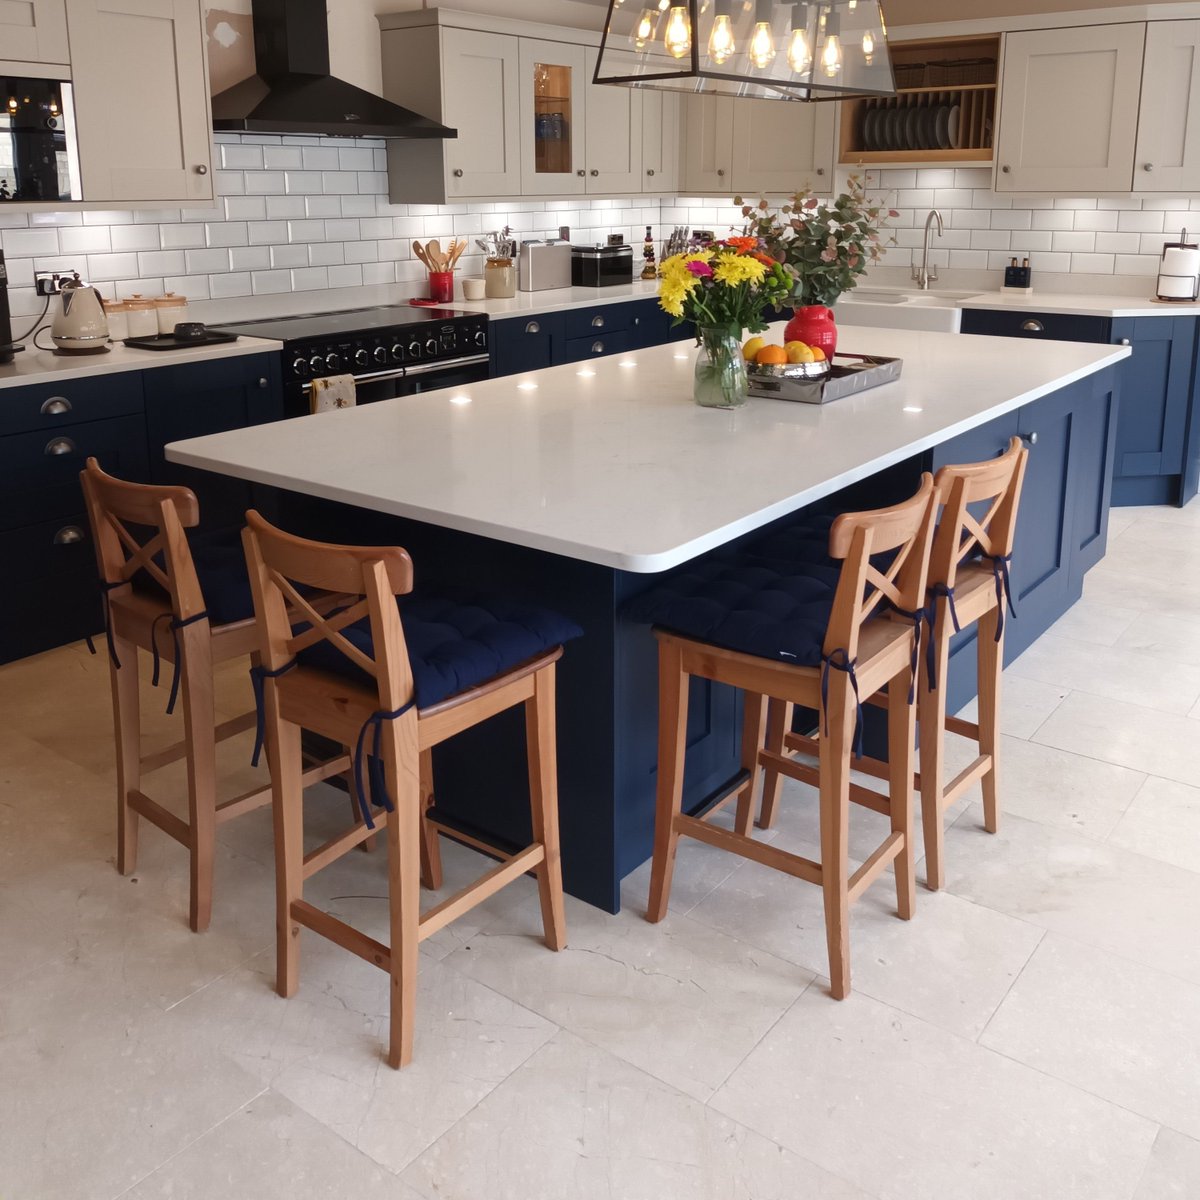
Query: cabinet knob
x=1007 y=170
x=59 y=445
x=458 y=172
x=649 y=170
x=593 y=172
x=597 y=322
x=55 y=406
x=1147 y=166
x=201 y=169
x=264 y=382
x=68 y=535
x=1031 y=438
x=1126 y=342
x=597 y=347
x=720 y=172
x=1033 y=327
x=820 y=170
x=533 y=327
x=581 y=172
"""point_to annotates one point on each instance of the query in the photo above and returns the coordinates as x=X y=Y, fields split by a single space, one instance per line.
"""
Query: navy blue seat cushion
x=804 y=539
x=221 y=569
x=454 y=642
x=768 y=608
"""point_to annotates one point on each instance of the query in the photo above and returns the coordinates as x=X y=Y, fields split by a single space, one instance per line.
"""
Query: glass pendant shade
x=815 y=50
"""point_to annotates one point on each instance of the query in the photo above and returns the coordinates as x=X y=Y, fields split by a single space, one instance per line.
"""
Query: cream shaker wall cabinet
x=780 y=146
x=554 y=82
x=707 y=145
x=660 y=141
x=1069 y=110
x=612 y=144
x=141 y=100
x=1168 y=143
x=34 y=31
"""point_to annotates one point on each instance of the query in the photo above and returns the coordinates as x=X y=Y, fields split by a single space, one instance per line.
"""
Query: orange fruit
x=818 y=354
x=771 y=356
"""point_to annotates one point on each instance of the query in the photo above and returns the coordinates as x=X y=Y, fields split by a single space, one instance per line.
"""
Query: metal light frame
x=737 y=76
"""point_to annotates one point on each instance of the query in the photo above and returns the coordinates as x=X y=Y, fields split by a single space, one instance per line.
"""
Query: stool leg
x=991 y=665
x=931 y=713
x=287 y=810
x=779 y=721
x=431 y=848
x=672 y=744
x=199 y=718
x=541 y=747
x=127 y=727
x=834 y=772
x=753 y=723
x=401 y=760
x=901 y=736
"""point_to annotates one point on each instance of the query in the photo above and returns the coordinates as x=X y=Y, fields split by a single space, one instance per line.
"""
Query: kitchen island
x=577 y=485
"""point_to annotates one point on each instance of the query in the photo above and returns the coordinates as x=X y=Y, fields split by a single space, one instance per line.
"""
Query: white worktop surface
x=1079 y=305
x=610 y=461
x=557 y=299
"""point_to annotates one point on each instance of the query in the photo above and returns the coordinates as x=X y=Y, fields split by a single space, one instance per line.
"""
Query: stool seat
x=454 y=643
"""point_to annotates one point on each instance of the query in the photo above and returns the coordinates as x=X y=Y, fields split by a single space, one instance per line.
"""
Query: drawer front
x=39 y=472
x=58 y=600
x=648 y=325
x=55 y=405
x=577 y=349
x=603 y=319
x=1060 y=327
x=522 y=344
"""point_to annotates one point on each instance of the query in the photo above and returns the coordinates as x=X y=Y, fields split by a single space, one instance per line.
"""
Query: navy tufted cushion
x=454 y=643
x=772 y=609
x=221 y=569
x=802 y=540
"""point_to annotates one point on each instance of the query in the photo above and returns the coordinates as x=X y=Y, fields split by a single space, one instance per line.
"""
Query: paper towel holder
x=1179 y=271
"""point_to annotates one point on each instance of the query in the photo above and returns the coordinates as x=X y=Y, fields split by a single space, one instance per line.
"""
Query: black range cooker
x=391 y=350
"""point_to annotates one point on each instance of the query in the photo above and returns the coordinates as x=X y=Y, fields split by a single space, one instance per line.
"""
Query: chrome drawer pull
x=55 y=406
x=1033 y=327
x=59 y=445
x=597 y=347
x=597 y=322
x=68 y=535
x=533 y=327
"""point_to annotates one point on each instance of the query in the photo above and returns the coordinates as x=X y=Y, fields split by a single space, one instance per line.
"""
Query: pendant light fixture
x=812 y=50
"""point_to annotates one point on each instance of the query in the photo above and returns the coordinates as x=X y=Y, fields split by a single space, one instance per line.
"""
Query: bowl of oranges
x=792 y=360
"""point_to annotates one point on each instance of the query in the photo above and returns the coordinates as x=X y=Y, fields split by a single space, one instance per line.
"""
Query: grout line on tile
x=1008 y=991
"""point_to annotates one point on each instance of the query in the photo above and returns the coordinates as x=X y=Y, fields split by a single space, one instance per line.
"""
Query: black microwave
x=39 y=155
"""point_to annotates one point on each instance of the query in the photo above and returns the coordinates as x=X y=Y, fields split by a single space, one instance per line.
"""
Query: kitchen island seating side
x=867 y=637
x=374 y=701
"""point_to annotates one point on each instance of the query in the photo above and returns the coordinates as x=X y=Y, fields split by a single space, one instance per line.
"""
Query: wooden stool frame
x=864 y=629
x=300 y=697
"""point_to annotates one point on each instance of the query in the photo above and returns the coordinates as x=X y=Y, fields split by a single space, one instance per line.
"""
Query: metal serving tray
x=847 y=374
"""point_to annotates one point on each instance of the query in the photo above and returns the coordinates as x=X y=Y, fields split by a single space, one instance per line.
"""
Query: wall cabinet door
x=34 y=31
x=612 y=134
x=1069 y=109
x=782 y=147
x=660 y=142
x=707 y=144
x=1168 y=144
x=141 y=100
x=554 y=84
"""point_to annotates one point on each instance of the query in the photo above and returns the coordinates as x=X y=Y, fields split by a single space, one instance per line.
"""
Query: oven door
x=403 y=381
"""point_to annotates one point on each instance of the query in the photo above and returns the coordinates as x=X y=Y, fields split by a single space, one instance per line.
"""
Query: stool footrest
x=968 y=729
x=342 y=843
x=866 y=875
x=154 y=812
x=344 y=935
x=965 y=778
x=760 y=852
x=809 y=773
x=475 y=893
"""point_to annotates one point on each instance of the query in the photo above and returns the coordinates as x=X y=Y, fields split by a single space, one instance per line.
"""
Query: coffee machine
x=7 y=349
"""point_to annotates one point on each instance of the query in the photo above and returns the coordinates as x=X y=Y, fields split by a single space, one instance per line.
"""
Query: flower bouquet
x=724 y=288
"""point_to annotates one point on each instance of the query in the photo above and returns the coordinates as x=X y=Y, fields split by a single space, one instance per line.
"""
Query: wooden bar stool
x=968 y=583
x=154 y=602
x=868 y=638
x=394 y=689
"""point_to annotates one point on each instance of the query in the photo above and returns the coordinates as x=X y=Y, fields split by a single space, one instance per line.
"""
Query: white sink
x=903 y=308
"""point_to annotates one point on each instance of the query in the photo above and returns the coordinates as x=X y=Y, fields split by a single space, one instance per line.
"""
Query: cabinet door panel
x=707 y=144
x=554 y=85
x=1093 y=451
x=782 y=147
x=612 y=135
x=141 y=100
x=34 y=31
x=1069 y=109
x=1168 y=146
x=660 y=142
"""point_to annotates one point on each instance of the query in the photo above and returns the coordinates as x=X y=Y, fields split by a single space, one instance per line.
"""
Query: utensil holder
x=499 y=279
x=441 y=286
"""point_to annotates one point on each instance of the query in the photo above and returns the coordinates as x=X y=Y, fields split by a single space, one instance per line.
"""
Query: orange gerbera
x=744 y=245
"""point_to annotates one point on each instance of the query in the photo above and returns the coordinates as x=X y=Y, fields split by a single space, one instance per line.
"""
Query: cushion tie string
x=258 y=674
x=838 y=660
x=105 y=589
x=379 y=793
x=919 y=618
x=1003 y=589
x=175 y=625
x=937 y=591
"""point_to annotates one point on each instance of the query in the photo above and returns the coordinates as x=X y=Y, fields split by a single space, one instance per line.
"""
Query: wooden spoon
x=421 y=253
x=434 y=250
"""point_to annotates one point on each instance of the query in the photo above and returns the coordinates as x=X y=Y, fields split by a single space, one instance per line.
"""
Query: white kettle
x=80 y=326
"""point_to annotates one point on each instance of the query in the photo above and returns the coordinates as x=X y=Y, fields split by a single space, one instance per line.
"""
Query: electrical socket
x=49 y=283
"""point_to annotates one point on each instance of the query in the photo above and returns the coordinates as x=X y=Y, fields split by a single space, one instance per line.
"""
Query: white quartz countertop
x=1085 y=306
x=558 y=299
x=44 y=366
x=610 y=461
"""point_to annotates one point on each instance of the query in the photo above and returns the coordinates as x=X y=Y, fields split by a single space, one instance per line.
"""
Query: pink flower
x=697 y=267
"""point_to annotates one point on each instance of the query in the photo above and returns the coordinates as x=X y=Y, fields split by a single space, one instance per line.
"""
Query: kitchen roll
x=334 y=391
x=1177 y=287
x=1181 y=260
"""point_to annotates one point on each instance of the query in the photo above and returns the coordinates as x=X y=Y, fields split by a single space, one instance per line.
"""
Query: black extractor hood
x=294 y=92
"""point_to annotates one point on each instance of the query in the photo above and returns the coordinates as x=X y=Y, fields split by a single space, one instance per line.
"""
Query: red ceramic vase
x=813 y=324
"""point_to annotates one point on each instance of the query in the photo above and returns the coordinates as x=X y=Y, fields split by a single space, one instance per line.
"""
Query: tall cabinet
x=1168 y=140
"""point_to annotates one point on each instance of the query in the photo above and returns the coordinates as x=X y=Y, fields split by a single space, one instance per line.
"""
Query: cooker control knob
x=480 y=337
x=431 y=346
x=300 y=366
x=317 y=363
x=414 y=349
x=381 y=354
x=333 y=361
x=397 y=352
x=361 y=358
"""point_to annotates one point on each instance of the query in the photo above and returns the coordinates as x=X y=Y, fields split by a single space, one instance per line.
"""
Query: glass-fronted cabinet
x=553 y=86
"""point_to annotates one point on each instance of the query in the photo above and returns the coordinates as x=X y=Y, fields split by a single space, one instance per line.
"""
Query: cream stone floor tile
x=909 y=1111
x=1143 y=587
x=1120 y=519
x=1136 y=907
x=1173 y=1172
x=324 y=1048
x=1163 y=822
x=1133 y=676
x=1123 y=1032
x=577 y=1122
x=97 y=1090
x=1093 y=622
x=1142 y=739
x=271 y=1150
x=1165 y=638
x=1024 y=705
x=651 y=994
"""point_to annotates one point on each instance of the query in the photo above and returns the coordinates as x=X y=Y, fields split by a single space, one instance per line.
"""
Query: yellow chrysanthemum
x=733 y=269
x=674 y=291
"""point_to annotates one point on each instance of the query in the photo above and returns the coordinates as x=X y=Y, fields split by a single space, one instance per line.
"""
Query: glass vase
x=720 y=378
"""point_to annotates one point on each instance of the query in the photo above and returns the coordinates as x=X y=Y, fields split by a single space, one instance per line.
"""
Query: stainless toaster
x=544 y=265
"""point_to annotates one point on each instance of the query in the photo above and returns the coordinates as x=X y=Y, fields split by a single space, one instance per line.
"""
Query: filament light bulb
x=868 y=47
x=831 y=55
x=645 y=29
x=721 y=45
x=678 y=35
x=762 y=45
x=799 y=55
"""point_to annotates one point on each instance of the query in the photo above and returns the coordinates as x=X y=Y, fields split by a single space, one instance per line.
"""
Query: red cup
x=441 y=286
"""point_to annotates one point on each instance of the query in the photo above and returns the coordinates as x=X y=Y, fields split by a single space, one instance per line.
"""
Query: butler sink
x=902 y=308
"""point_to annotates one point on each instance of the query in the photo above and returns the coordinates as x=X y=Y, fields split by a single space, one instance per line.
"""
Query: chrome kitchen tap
x=924 y=275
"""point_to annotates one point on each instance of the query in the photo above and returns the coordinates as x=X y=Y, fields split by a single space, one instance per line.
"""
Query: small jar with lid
x=170 y=310
x=140 y=316
x=499 y=279
x=116 y=312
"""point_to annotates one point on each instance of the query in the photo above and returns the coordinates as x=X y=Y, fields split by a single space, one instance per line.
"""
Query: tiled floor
x=1033 y=1033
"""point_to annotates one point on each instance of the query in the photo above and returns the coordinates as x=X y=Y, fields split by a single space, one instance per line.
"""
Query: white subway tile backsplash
x=320 y=158
x=1074 y=240
x=87 y=239
x=935 y=177
x=306 y=231
x=230 y=183
x=1136 y=264
x=323 y=254
x=309 y=279
x=1063 y=202
x=369 y=205
x=241 y=157
x=289 y=256
x=245 y=208
x=339 y=183
x=1053 y=218
x=52 y=218
x=1042 y=261
x=361 y=251
x=266 y=233
x=227 y=233
x=973 y=177
x=1118 y=243
x=1032 y=239
x=346 y=230
x=356 y=159
x=267 y=282
x=112 y=266
x=282 y=158
x=161 y=262
x=1093 y=264
x=284 y=207
x=990 y=239
x=1099 y=219
x=264 y=183
x=324 y=206
x=386 y=272
x=28 y=242
x=346 y=276
x=249 y=258
x=235 y=283
x=302 y=183
x=1013 y=218
x=969 y=260
x=198 y=262
x=1140 y=221
x=952 y=197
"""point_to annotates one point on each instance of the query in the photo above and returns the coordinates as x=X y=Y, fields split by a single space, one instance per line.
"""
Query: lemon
x=752 y=347
x=798 y=352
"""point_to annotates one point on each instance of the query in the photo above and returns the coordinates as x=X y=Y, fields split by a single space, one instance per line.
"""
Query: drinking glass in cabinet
x=552 y=119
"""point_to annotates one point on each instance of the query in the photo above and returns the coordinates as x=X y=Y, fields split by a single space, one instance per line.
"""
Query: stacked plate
x=888 y=125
